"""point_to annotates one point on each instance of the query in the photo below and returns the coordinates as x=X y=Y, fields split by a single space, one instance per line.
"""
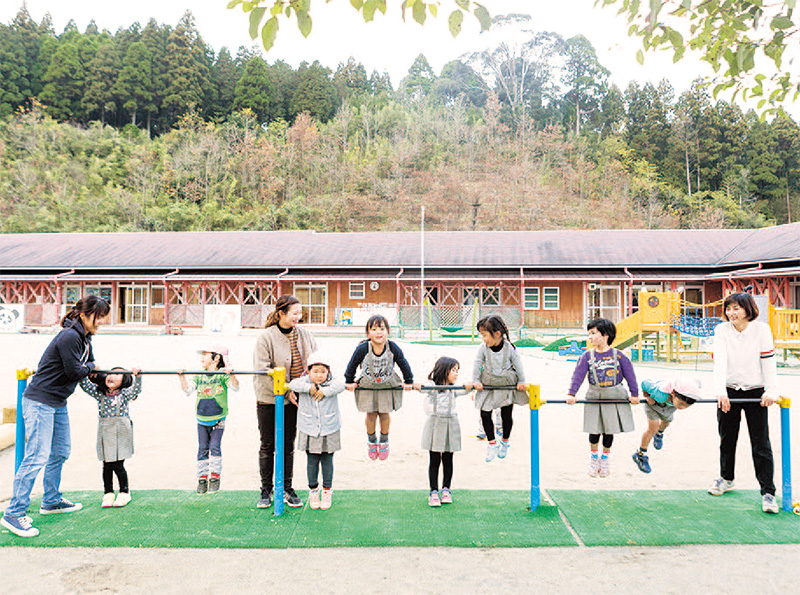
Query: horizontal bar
x=165 y=372
x=641 y=401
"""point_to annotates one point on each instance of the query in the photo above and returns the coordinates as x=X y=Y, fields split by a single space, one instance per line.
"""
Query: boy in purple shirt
x=606 y=368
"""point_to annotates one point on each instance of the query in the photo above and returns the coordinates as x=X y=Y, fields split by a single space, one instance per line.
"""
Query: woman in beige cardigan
x=283 y=343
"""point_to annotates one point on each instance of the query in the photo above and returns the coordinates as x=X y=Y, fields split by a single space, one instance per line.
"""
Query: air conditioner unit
x=592 y=286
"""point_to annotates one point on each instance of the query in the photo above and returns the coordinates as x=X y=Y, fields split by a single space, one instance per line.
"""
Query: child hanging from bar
x=606 y=368
x=662 y=399
x=318 y=425
x=378 y=390
x=212 y=409
x=113 y=393
x=497 y=363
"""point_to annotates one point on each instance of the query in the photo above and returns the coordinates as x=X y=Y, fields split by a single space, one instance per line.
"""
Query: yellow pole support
x=535 y=396
x=24 y=373
x=278 y=380
x=784 y=402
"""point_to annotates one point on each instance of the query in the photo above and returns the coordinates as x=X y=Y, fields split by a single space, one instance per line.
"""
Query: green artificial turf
x=673 y=517
x=229 y=519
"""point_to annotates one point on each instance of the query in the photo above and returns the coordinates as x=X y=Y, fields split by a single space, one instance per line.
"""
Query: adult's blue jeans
x=48 y=445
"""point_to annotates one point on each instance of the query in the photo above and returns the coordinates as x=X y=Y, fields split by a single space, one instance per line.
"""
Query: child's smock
x=442 y=432
x=318 y=422
x=379 y=386
x=212 y=397
x=498 y=368
x=114 y=428
x=606 y=371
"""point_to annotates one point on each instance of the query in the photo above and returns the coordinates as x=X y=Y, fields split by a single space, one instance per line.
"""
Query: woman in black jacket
x=65 y=362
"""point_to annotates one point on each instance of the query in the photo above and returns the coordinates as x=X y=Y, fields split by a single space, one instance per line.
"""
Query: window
x=551 y=298
x=357 y=290
x=490 y=296
x=104 y=291
x=72 y=293
x=157 y=296
x=314 y=300
x=531 y=298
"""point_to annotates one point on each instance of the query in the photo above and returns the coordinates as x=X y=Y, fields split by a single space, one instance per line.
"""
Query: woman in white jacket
x=744 y=368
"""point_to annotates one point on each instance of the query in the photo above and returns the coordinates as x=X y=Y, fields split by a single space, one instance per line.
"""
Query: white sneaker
x=605 y=467
x=720 y=486
x=502 y=448
x=108 y=500
x=122 y=499
x=313 y=499
x=769 y=504
x=327 y=498
x=594 y=466
x=491 y=452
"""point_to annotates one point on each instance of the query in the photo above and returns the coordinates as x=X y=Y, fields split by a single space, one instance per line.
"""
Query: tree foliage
x=267 y=15
x=736 y=37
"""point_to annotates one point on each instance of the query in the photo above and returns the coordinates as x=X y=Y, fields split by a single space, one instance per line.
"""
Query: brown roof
x=274 y=251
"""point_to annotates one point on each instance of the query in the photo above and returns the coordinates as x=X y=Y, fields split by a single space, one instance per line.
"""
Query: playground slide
x=627 y=332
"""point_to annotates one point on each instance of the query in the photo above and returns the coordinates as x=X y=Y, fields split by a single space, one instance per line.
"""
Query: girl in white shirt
x=744 y=368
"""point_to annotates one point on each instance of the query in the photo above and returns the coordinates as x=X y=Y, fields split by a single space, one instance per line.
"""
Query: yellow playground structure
x=670 y=328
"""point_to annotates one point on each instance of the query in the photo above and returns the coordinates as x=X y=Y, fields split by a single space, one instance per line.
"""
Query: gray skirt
x=486 y=400
x=319 y=444
x=441 y=434
x=381 y=401
x=609 y=418
x=114 y=439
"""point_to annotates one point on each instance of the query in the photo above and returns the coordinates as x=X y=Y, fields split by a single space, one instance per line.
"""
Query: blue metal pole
x=279 y=454
x=22 y=383
x=786 y=454
x=535 y=494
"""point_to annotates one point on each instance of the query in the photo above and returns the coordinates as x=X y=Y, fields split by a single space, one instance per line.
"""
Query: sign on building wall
x=222 y=319
x=12 y=318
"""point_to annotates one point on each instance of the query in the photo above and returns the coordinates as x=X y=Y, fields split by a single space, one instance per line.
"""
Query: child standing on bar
x=662 y=399
x=441 y=435
x=606 y=368
x=113 y=393
x=212 y=409
x=498 y=363
x=318 y=425
x=378 y=390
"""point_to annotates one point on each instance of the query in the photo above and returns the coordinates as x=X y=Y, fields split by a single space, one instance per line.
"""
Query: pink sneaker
x=383 y=451
x=373 y=450
x=313 y=498
x=433 y=499
x=327 y=498
x=447 y=497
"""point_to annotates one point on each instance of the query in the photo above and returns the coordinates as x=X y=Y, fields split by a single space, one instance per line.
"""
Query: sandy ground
x=165 y=441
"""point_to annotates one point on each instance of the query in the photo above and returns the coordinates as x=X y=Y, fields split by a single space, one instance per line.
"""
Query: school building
x=534 y=279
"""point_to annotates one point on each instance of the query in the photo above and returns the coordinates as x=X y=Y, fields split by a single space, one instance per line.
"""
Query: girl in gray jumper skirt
x=442 y=432
x=318 y=425
x=497 y=364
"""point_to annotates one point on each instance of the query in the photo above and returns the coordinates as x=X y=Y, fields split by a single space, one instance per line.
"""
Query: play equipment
x=535 y=403
x=279 y=386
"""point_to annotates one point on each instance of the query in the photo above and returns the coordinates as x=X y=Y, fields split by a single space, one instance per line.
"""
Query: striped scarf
x=296 y=368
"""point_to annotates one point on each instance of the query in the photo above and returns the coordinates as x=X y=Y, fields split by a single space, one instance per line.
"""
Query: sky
x=387 y=44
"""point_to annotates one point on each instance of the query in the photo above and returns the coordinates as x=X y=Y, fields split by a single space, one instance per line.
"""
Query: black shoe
x=292 y=499
x=265 y=501
x=213 y=485
x=202 y=485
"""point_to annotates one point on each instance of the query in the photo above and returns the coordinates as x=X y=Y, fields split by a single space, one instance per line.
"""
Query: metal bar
x=535 y=481
x=611 y=401
x=193 y=372
x=19 y=451
x=786 y=456
x=279 y=454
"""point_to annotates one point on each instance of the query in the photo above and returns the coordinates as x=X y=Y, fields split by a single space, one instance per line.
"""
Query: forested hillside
x=148 y=128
